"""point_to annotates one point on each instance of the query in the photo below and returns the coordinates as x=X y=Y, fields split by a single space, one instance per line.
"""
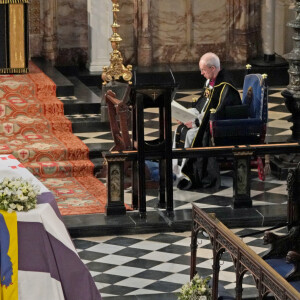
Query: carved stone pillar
x=143 y=32
x=100 y=19
x=282 y=163
x=50 y=29
x=292 y=94
x=35 y=34
x=244 y=29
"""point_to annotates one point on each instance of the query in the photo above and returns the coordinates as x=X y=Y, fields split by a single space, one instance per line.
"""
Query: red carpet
x=34 y=129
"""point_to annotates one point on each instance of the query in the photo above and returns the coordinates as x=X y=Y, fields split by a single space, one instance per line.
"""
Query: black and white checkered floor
x=278 y=126
x=154 y=266
x=270 y=192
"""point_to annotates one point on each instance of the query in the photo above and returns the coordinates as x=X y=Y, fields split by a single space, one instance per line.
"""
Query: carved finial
x=264 y=76
x=248 y=67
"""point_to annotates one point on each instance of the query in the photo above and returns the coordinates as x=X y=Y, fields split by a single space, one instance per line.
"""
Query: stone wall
x=58 y=30
x=156 y=31
x=180 y=31
x=72 y=32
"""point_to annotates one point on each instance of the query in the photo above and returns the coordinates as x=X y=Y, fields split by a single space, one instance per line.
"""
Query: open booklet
x=181 y=113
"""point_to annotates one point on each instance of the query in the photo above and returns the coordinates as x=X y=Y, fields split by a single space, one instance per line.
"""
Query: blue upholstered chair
x=246 y=123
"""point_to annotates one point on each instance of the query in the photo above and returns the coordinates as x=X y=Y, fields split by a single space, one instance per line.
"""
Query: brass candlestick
x=116 y=68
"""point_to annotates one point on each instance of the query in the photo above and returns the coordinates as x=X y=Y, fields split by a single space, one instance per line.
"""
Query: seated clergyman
x=218 y=93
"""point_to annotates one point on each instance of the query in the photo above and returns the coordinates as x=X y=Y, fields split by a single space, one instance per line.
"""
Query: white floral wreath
x=17 y=194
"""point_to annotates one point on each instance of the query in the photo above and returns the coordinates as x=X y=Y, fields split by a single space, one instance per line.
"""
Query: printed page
x=181 y=113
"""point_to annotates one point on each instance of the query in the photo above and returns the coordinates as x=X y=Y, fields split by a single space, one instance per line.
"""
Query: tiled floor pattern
x=278 y=126
x=270 y=192
x=157 y=264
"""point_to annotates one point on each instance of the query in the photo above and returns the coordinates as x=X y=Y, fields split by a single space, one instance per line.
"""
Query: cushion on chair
x=237 y=111
x=253 y=94
x=246 y=123
x=280 y=266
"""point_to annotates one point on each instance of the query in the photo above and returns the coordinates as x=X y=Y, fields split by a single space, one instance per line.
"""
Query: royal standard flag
x=8 y=256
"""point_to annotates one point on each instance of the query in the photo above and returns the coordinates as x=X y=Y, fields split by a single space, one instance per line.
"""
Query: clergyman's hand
x=189 y=124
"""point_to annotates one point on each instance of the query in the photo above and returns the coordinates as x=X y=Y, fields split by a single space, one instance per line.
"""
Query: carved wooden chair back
x=118 y=113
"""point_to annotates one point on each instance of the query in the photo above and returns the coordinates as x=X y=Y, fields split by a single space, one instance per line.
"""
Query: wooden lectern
x=14 y=36
x=153 y=88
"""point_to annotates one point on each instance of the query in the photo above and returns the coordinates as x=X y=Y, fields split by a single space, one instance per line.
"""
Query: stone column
x=244 y=29
x=143 y=31
x=272 y=33
x=283 y=37
x=268 y=29
x=281 y=163
x=100 y=19
x=50 y=29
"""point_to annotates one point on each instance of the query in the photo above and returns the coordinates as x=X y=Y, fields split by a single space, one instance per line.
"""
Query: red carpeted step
x=60 y=169
x=77 y=195
x=33 y=147
x=34 y=129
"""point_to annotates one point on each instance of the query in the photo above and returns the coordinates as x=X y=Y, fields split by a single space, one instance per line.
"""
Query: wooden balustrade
x=244 y=259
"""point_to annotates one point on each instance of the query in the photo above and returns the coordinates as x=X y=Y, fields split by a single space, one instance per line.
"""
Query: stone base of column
x=269 y=61
x=280 y=164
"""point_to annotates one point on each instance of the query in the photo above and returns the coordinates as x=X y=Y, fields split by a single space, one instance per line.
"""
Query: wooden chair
x=120 y=118
x=119 y=114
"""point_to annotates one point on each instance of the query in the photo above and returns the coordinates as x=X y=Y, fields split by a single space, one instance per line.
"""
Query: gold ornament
x=116 y=69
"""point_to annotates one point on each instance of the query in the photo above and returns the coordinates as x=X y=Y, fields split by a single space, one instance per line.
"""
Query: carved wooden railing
x=244 y=259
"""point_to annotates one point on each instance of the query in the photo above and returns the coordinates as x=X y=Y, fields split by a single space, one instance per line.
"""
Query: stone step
x=96 y=149
x=98 y=164
x=64 y=87
x=85 y=100
x=87 y=123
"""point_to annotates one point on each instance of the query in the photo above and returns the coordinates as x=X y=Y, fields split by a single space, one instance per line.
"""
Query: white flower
x=17 y=184
x=17 y=194
x=19 y=207
x=12 y=206
x=7 y=191
x=197 y=288
x=23 y=198
x=31 y=194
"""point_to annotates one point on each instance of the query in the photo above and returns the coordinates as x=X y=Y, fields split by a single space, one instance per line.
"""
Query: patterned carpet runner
x=34 y=129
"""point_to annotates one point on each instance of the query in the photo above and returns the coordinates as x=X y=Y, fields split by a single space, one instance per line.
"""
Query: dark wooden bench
x=267 y=280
